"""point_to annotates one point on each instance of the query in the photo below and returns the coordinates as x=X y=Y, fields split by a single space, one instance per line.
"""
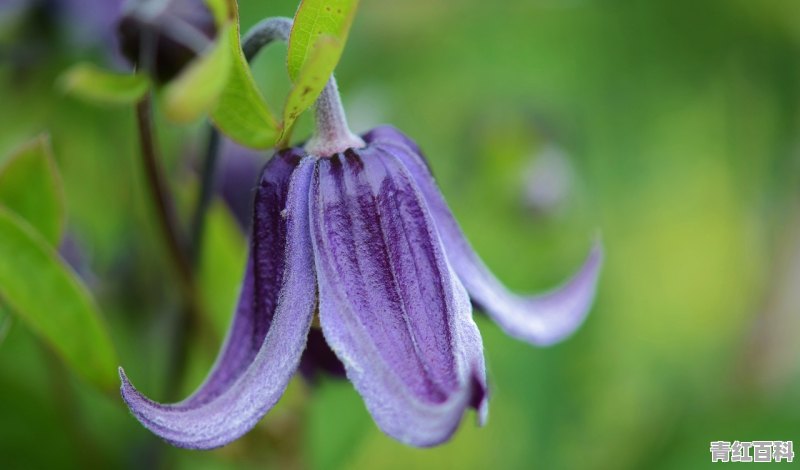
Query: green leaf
x=222 y=266
x=197 y=89
x=30 y=186
x=316 y=42
x=96 y=85
x=49 y=298
x=314 y=19
x=311 y=80
x=241 y=112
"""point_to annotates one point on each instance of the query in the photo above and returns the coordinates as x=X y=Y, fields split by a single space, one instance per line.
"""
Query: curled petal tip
x=264 y=346
x=551 y=317
x=541 y=320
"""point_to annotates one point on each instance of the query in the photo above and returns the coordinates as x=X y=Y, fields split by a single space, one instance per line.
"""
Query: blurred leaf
x=222 y=267
x=241 y=112
x=314 y=19
x=96 y=85
x=311 y=80
x=50 y=299
x=198 y=88
x=31 y=187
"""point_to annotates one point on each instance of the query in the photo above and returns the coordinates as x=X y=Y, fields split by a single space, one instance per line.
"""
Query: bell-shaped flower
x=355 y=231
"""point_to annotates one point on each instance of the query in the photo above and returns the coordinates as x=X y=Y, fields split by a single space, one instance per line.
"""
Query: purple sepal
x=541 y=320
x=269 y=330
x=390 y=305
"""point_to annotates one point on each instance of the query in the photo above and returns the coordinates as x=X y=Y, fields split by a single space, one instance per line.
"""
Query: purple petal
x=542 y=319
x=390 y=306
x=265 y=268
x=269 y=330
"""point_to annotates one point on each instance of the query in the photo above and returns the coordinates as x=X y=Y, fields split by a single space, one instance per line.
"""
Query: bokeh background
x=670 y=127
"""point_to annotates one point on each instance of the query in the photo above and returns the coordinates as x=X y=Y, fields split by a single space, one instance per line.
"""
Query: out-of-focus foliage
x=30 y=186
x=93 y=84
x=35 y=284
x=223 y=261
x=39 y=287
x=680 y=122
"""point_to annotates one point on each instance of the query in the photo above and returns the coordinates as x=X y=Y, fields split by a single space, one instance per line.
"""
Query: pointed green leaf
x=30 y=186
x=49 y=298
x=96 y=85
x=241 y=113
x=311 y=80
x=197 y=89
x=314 y=19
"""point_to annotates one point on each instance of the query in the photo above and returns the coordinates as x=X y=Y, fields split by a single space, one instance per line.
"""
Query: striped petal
x=540 y=319
x=269 y=329
x=390 y=306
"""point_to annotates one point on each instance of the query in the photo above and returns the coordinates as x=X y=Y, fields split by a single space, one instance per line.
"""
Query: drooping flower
x=354 y=230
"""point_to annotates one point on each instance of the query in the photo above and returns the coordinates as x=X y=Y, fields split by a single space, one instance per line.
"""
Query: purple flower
x=363 y=239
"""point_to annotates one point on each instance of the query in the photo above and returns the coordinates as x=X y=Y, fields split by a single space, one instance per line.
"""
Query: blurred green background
x=671 y=127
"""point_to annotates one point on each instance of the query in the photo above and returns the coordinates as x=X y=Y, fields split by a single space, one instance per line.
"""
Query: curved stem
x=263 y=33
x=331 y=133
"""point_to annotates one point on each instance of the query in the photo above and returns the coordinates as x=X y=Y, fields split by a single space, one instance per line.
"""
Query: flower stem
x=263 y=33
x=331 y=133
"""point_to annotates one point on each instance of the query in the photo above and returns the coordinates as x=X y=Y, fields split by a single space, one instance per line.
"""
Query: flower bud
x=162 y=36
